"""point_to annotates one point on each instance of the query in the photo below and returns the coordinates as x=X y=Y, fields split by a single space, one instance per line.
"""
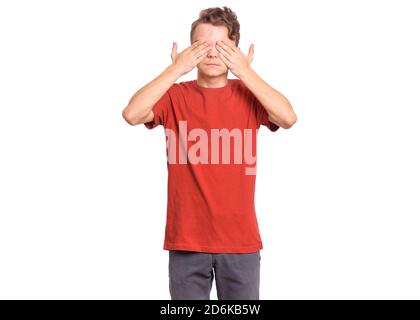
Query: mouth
x=212 y=64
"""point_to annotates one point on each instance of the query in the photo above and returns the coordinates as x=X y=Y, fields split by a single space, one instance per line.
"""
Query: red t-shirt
x=211 y=161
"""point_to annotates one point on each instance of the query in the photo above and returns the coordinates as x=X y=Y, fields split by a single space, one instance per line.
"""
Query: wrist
x=246 y=74
x=175 y=70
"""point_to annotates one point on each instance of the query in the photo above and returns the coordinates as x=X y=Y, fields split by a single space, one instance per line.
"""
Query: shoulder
x=181 y=88
x=184 y=85
x=241 y=89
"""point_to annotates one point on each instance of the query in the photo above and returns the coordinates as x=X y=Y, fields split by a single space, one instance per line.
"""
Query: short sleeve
x=160 y=111
x=262 y=116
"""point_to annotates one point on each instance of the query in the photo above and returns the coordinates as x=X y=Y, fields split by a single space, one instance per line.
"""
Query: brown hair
x=219 y=17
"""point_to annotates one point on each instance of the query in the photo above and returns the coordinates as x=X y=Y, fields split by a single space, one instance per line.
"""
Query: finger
x=203 y=51
x=200 y=58
x=174 y=51
x=251 y=52
x=227 y=47
x=226 y=61
x=224 y=53
x=197 y=43
x=200 y=47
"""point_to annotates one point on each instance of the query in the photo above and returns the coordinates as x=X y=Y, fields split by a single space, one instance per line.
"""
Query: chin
x=212 y=73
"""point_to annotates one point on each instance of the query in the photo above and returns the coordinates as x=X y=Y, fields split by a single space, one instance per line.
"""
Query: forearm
x=277 y=105
x=142 y=102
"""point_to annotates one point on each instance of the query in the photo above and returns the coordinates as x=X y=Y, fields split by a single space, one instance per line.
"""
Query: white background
x=83 y=194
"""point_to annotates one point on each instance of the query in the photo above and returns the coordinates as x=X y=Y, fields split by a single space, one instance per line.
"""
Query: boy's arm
x=277 y=105
x=139 y=108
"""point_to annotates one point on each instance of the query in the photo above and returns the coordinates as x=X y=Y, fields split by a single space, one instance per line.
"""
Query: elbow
x=129 y=117
x=290 y=121
x=290 y=117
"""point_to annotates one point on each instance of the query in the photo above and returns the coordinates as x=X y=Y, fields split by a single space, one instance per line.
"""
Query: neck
x=212 y=82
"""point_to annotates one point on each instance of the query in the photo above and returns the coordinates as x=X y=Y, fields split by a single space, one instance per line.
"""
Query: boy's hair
x=219 y=17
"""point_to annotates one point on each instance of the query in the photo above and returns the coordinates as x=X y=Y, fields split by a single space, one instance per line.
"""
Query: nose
x=212 y=53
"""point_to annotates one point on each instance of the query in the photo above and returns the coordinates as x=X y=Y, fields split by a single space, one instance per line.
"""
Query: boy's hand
x=189 y=57
x=237 y=62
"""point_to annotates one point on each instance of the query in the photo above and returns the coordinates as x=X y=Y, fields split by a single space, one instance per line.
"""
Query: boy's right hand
x=188 y=59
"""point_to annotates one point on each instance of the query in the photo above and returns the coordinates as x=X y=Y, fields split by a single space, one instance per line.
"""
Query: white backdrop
x=83 y=194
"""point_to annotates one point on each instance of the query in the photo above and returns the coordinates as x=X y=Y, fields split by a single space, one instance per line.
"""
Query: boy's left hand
x=237 y=62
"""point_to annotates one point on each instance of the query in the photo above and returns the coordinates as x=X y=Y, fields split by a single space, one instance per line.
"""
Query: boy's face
x=211 y=34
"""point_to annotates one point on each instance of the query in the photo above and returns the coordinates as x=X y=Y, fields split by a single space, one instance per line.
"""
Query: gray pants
x=191 y=275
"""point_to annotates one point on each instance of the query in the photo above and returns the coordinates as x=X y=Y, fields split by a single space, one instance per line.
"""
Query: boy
x=211 y=227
